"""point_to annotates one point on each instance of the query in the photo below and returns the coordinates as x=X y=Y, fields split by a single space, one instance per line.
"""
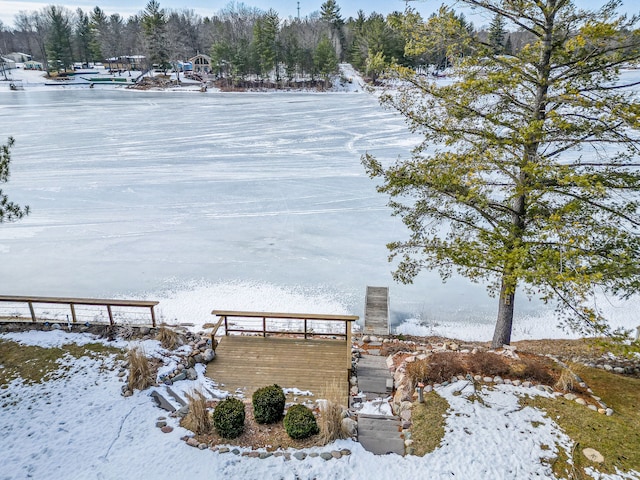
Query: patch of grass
x=35 y=364
x=428 y=423
x=617 y=437
x=488 y=363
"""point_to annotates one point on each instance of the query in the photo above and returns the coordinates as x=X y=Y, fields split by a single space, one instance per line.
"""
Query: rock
x=264 y=455
x=122 y=373
x=161 y=424
x=198 y=358
x=406 y=425
x=607 y=367
x=497 y=379
x=408 y=443
x=336 y=454
x=326 y=455
x=366 y=339
x=508 y=381
x=353 y=381
x=593 y=407
x=166 y=429
x=345 y=452
x=202 y=446
x=618 y=369
x=474 y=351
x=517 y=383
x=182 y=411
x=602 y=411
x=191 y=374
x=405 y=415
x=608 y=412
x=570 y=396
x=192 y=442
x=487 y=379
x=299 y=455
x=181 y=376
x=235 y=451
x=314 y=454
x=427 y=389
x=593 y=455
x=223 y=450
x=354 y=390
x=526 y=384
x=144 y=330
x=477 y=378
x=208 y=355
x=580 y=401
x=349 y=426
x=56 y=326
x=180 y=367
x=128 y=393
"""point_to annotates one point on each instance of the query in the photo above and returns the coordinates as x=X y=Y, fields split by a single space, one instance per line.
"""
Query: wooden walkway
x=376 y=311
x=250 y=362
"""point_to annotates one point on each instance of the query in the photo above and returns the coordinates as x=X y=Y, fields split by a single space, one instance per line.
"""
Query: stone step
x=162 y=402
x=176 y=397
x=380 y=434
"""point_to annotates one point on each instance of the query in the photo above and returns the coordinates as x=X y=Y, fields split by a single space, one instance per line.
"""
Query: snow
x=78 y=425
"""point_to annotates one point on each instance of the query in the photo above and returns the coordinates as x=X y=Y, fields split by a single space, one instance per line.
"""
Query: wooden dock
x=376 y=311
x=250 y=362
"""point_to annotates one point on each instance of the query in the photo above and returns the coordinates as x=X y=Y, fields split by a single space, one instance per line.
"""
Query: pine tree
x=497 y=33
x=154 y=25
x=9 y=211
x=58 y=43
x=528 y=175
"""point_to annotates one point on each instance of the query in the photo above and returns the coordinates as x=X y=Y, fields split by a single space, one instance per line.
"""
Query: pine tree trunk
x=502 y=333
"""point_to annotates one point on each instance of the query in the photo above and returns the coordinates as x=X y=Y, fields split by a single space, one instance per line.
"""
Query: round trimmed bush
x=228 y=418
x=299 y=422
x=268 y=404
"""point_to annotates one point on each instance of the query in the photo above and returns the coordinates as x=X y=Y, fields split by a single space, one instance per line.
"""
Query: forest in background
x=242 y=41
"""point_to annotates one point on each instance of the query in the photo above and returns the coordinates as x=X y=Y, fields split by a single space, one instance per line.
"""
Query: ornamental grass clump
x=268 y=404
x=140 y=376
x=228 y=418
x=299 y=422
x=198 y=420
x=331 y=415
x=168 y=338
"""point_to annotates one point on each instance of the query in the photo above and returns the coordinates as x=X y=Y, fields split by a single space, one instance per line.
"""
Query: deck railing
x=273 y=323
x=108 y=304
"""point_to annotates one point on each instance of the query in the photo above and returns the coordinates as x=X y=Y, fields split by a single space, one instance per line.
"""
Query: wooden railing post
x=226 y=329
x=264 y=326
x=153 y=317
x=110 y=314
x=305 y=328
x=33 y=313
x=347 y=325
x=73 y=312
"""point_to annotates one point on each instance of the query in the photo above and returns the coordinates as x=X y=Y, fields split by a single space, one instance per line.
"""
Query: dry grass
x=330 y=421
x=140 y=376
x=198 y=419
x=444 y=366
x=565 y=382
x=487 y=363
x=417 y=371
x=168 y=338
x=616 y=437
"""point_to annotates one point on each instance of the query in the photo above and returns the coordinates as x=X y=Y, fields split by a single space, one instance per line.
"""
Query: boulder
x=593 y=455
x=349 y=426
x=208 y=355
x=191 y=374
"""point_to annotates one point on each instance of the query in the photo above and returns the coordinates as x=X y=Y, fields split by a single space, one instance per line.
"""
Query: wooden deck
x=251 y=362
x=376 y=311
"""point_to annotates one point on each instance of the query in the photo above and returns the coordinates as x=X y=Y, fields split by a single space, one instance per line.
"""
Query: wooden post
x=110 y=314
x=33 y=313
x=153 y=317
x=264 y=326
x=226 y=329
x=305 y=328
x=73 y=312
x=348 y=332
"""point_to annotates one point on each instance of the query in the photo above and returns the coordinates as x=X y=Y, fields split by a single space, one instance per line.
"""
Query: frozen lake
x=239 y=201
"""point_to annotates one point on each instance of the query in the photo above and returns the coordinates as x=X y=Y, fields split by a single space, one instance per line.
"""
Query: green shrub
x=268 y=404
x=228 y=418
x=299 y=422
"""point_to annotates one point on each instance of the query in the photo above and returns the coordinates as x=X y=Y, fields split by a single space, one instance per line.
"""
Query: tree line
x=242 y=41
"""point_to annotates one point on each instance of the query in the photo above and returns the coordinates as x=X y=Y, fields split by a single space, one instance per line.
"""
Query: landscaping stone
x=593 y=455
x=593 y=407
x=208 y=355
x=181 y=376
x=570 y=396
x=336 y=454
x=580 y=401
x=498 y=380
x=192 y=442
x=191 y=374
x=166 y=429
x=161 y=424
x=202 y=446
x=526 y=384
x=345 y=451
x=350 y=426
x=608 y=412
x=487 y=379
x=264 y=455
x=235 y=451
x=300 y=455
x=517 y=383
x=223 y=450
x=326 y=456
x=314 y=454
